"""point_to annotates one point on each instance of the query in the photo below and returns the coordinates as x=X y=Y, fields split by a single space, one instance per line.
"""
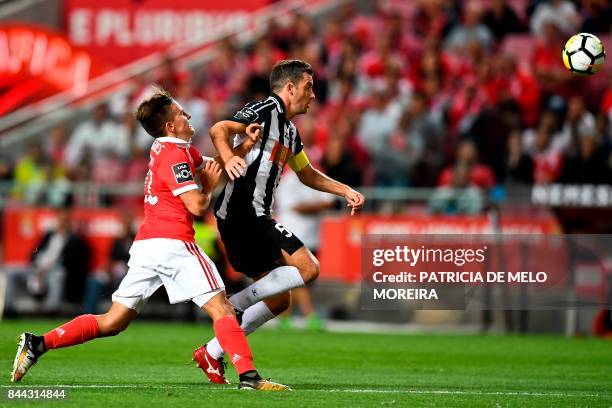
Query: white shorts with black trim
x=182 y=267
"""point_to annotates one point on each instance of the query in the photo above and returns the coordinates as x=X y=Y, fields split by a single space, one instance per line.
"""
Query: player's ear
x=291 y=88
x=169 y=127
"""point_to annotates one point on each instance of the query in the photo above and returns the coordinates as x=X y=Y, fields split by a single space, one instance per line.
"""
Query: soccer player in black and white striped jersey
x=256 y=244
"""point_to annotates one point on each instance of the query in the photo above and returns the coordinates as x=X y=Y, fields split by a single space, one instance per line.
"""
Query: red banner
x=36 y=62
x=340 y=251
x=122 y=31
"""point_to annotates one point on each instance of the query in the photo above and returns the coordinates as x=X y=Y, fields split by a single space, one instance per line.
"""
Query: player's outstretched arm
x=220 y=134
x=313 y=178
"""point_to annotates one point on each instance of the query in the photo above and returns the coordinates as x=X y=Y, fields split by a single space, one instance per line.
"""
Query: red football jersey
x=172 y=166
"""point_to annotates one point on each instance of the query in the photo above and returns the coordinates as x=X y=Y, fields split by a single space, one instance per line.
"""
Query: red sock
x=76 y=331
x=234 y=343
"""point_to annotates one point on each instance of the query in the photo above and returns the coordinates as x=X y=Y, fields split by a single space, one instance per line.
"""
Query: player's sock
x=250 y=376
x=76 y=331
x=252 y=318
x=232 y=339
x=279 y=280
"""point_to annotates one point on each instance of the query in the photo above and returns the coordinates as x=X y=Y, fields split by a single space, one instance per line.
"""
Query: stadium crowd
x=424 y=94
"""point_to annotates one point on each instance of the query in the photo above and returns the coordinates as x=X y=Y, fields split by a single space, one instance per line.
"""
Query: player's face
x=180 y=125
x=303 y=94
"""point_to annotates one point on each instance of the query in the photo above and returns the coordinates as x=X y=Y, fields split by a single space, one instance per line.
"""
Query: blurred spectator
x=501 y=19
x=416 y=131
x=195 y=106
x=519 y=165
x=112 y=274
x=590 y=164
x=257 y=85
x=479 y=174
x=547 y=159
x=431 y=19
x=97 y=135
x=546 y=63
x=59 y=267
x=339 y=161
x=33 y=175
x=597 y=16
x=459 y=197
x=57 y=145
x=561 y=14
x=168 y=76
x=470 y=30
x=376 y=125
x=577 y=120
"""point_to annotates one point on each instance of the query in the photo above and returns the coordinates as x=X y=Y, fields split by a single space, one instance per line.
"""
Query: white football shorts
x=182 y=267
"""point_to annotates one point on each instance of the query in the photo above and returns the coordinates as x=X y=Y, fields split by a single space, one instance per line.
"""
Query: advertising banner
x=121 y=31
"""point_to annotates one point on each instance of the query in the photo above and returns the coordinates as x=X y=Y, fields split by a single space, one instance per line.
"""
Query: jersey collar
x=279 y=102
x=170 y=139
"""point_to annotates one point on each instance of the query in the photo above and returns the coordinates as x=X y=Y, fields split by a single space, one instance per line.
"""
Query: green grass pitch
x=149 y=365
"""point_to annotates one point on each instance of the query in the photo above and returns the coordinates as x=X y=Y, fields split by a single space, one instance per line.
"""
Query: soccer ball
x=583 y=54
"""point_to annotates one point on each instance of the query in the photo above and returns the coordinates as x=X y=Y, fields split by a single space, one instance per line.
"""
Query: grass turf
x=149 y=365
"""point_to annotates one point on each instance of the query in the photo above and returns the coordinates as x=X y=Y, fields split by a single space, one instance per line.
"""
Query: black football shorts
x=254 y=245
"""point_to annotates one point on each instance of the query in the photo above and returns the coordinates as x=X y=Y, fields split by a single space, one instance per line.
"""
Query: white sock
x=252 y=318
x=279 y=280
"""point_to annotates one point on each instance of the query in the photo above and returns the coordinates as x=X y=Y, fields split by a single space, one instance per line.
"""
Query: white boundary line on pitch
x=338 y=390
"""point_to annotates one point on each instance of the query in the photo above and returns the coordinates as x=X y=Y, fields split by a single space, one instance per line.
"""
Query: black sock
x=252 y=375
x=38 y=345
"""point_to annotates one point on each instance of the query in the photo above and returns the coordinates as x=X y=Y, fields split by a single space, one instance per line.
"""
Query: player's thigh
x=252 y=245
x=190 y=273
x=142 y=278
x=304 y=260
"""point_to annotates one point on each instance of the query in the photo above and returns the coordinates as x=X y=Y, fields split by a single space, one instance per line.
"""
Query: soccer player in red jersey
x=177 y=188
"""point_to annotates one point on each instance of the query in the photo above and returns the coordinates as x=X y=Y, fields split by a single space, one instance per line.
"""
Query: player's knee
x=310 y=271
x=219 y=308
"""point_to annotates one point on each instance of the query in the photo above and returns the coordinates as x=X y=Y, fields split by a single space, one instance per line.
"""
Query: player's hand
x=212 y=172
x=354 y=200
x=235 y=167
x=253 y=132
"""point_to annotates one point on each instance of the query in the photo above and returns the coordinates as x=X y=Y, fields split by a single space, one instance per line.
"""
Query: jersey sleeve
x=176 y=172
x=198 y=159
x=252 y=112
x=299 y=159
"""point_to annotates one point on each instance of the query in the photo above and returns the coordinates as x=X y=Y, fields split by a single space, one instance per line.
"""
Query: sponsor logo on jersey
x=280 y=154
x=247 y=114
x=182 y=173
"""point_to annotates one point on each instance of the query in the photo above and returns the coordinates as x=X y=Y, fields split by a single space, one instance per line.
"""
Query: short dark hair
x=288 y=71
x=154 y=112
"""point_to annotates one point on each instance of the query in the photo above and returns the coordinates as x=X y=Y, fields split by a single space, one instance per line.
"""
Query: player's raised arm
x=220 y=134
x=313 y=178
x=253 y=132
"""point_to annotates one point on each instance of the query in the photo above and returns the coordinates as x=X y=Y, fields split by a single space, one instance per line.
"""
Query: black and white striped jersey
x=252 y=194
